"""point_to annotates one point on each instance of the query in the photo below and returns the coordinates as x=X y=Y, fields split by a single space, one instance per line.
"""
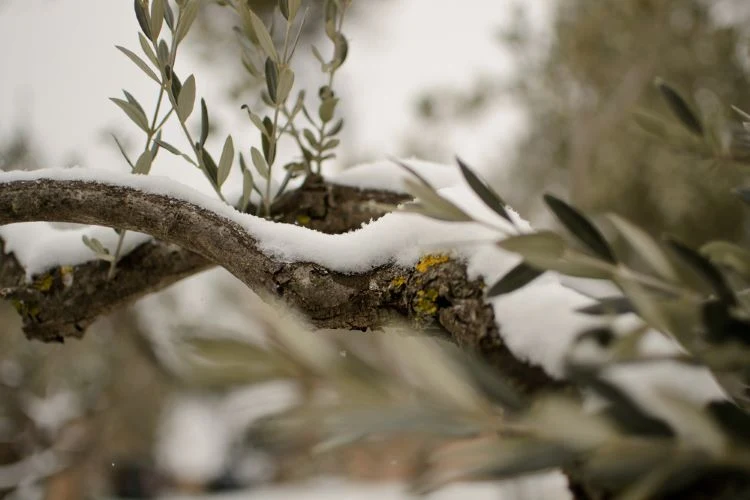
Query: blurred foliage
x=582 y=96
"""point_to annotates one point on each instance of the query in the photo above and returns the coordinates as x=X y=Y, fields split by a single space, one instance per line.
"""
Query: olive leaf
x=140 y=63
x=225 y=161
x=186 y=99
x=679 y=107
x=518 y=277
x=580 y=227
x=704 y=268
x=482 y=189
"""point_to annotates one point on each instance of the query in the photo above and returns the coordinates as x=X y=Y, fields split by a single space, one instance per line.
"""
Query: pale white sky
x=60 y=66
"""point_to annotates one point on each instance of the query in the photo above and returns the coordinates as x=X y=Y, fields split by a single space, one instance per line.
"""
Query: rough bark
x=190 y=238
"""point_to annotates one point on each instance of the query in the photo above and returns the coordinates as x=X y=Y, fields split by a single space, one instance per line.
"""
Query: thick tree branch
x=439 y=290
x=63 y=302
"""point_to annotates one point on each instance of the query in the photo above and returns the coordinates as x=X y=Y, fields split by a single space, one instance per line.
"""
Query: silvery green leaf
x=310 y=137
x=680 y=108
x=483 y=190
x=580 y=227
x=186 y=99
x=646 y=247
x=209 y=166
x=132 y=100
x=538 y=245
x=135 y=114
x=272 y=79
x=260 y=162
x=327 y=108
x=330 y=144
x=157 y=17
x=257 y=121
x=336 y=128
x=122 y=151
x=705 y=269
x=435 y=203
x=142 y=16
x=247 y=189
x=143 y=164
x=516 y=278
x=340 y=50
x=264 y=37
x=294 y=6
x=204 y=123
x=285 y=84
x=168 y=15
x=140 y=63
x=162 y=54
x=168 y=147
x=188 y=13
x=318 y=56
x=486 y=459
x=225 y=162
x=608 y=306
x=146 y=48
x=729 y=255
x=96 y=246
x=226 y=362
x=284 y=9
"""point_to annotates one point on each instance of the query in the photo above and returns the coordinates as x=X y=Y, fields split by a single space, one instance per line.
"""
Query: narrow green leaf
x=132 y=100
x=143 y=164
x=705 y=268
x=204 y=122
x=327 y=108
x=680 y=108
x=284 y=8
x=247 y=189
x=175 y=86
x=580 y=227
x=168 y=16
x=140 y=63
x=729 y=255
x=318 y=56
x=257 y=121
x=310 y=137
x=260 y=162
x=186 y=100
x=285 y=84
x=146 y=48
x=340 y=50
x=272 y=79
x=646 y=247
x=142 y=16
x=264 y=37
x=133 y=113
x=209 y=165
x=539 y=245
x=608 y=306
x=516 y=278
x=188 y=13
x=225 y=162
x=157 y=18
x=162 y=54
x=336 y=128
x=294 y=6
x=483 y=190
x=430 y=198
x=168 y=147
x=122 y=151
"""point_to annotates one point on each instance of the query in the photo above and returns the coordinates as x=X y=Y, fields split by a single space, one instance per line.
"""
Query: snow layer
x=539 y=322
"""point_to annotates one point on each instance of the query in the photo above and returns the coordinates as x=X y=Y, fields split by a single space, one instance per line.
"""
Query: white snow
x=39 y=246
x=538 y=322
x=389 y=176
